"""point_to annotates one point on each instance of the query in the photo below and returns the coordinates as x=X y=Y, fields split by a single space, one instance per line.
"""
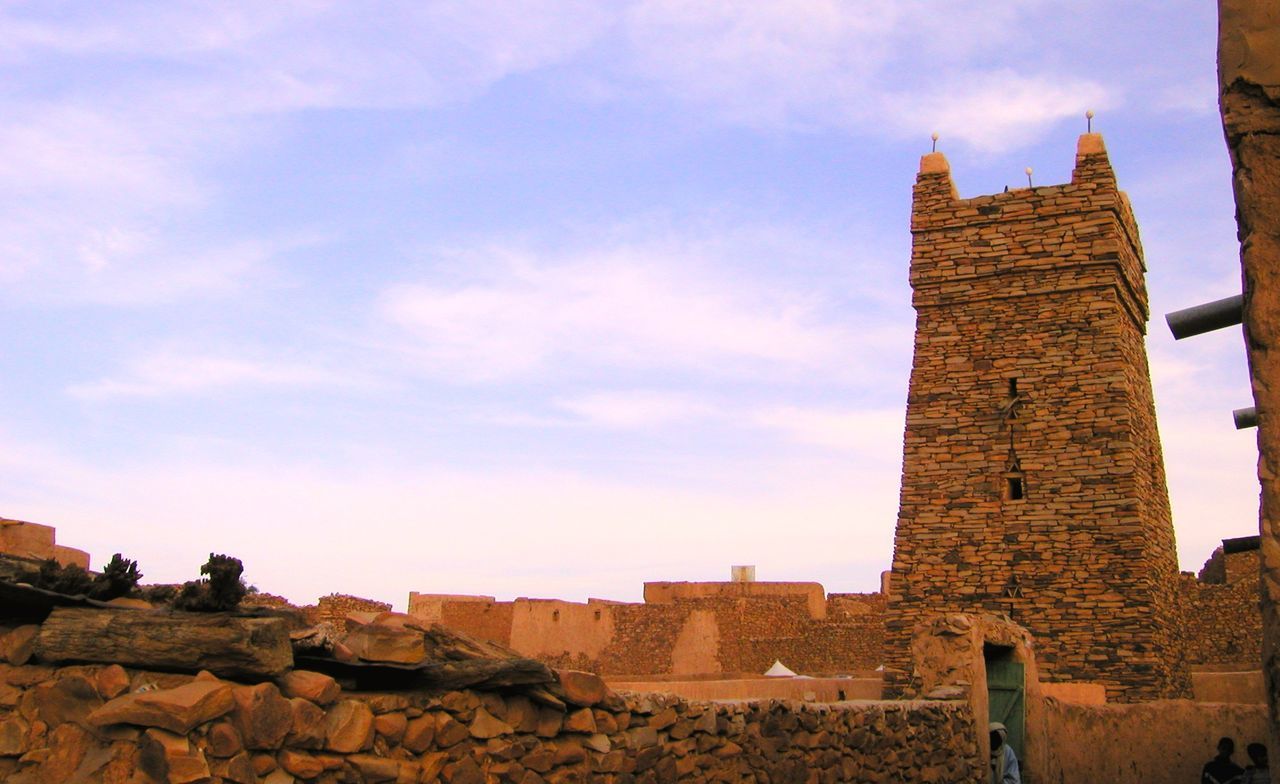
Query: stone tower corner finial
x=933 y=183
x=1092 y=163
x=1090 y=144
x=934 y=163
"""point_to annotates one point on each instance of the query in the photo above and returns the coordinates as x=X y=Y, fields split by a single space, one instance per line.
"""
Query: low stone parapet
x=104 y=722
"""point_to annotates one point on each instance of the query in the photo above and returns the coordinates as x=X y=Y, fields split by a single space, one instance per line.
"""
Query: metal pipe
x=1206 y=318
x=1245 y=417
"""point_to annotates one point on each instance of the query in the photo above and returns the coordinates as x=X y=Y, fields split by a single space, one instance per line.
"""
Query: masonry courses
x=1033 y=482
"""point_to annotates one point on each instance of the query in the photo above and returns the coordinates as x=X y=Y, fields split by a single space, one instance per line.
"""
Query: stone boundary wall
x=1166 y=740
x=105 y=723
x=668 y=592
x=335 y=607
x=1221 y=622
x=1244 y=687
x=759 y=688
x=684 y=628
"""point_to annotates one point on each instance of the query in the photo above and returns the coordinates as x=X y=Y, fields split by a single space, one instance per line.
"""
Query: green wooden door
x=1005 y=698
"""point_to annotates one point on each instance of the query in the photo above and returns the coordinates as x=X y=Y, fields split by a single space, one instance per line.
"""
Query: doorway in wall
x=1006 y=694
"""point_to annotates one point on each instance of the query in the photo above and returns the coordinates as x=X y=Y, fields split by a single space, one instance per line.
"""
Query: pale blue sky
x=547 y=298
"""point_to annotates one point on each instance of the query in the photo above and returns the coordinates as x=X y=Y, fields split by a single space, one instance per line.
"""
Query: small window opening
x=1011 y=406
x=555 y=615
x=597 y=615
x=1015 y=487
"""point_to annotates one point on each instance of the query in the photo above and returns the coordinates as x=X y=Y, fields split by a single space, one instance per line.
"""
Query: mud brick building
x=1033 y=482
x=681 y=628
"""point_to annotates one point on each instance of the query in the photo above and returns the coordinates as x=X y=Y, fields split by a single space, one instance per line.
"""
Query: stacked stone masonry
x=682 y=628
x=745 y=635
x=1033 y=482
x=1249 y=99
x=335 y=608
x=1221 y=623
x=105 y=723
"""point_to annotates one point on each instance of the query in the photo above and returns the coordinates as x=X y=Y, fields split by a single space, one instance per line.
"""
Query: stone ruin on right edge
x=1033 y=483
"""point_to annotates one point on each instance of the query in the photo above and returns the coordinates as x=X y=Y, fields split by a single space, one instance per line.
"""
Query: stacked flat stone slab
x=1033 y=482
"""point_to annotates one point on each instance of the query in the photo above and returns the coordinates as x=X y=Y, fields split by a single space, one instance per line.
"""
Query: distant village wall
x=693 y=630
x=1221 y=623
x=681 y=628
x=741 y=628
x=37 y=542
x=335 y=607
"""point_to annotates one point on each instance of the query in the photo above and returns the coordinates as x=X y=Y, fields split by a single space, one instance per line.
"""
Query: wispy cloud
x=877 y=433
x=240 y=57
x=172 y=372
x=866 y=432
x=903 y=68
x=519 y=314
x=636 y=408
x=993 y=110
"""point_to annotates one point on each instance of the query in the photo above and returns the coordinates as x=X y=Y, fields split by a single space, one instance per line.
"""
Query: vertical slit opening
x=1016 y=488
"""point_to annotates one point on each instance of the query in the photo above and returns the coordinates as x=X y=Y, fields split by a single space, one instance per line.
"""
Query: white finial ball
x=1089 y=114
x=1028 y=171
x=934 y=136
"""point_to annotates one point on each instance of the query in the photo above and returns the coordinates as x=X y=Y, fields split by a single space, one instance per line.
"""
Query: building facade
x=1033 y=482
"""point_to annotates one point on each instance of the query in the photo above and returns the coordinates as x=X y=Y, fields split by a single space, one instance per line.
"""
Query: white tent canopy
x=779 y=670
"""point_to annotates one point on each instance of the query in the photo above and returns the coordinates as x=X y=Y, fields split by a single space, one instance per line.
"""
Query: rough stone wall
x=1249 y=97
x=429 y=606
x=667 y=592
x=690 y=630
x=335 y=607
x=1221 y=623
x=760 y=688
x=754 y=634
x=263 y=599
x=1030 y=370
x=488 y=620
x=61 y=725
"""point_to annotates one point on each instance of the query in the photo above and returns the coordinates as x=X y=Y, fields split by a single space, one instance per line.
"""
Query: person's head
x=998 y=734
x=1226 y=747
x=1257 y=754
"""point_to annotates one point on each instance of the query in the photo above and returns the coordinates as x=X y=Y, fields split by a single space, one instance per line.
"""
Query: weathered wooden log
x=226 y=645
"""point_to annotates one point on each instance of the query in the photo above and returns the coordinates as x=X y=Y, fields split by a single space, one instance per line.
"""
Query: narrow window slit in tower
x=1009 y=409
x=1016 y=488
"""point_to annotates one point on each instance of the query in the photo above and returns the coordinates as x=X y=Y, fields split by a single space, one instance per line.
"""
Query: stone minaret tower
x=1032 y=478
